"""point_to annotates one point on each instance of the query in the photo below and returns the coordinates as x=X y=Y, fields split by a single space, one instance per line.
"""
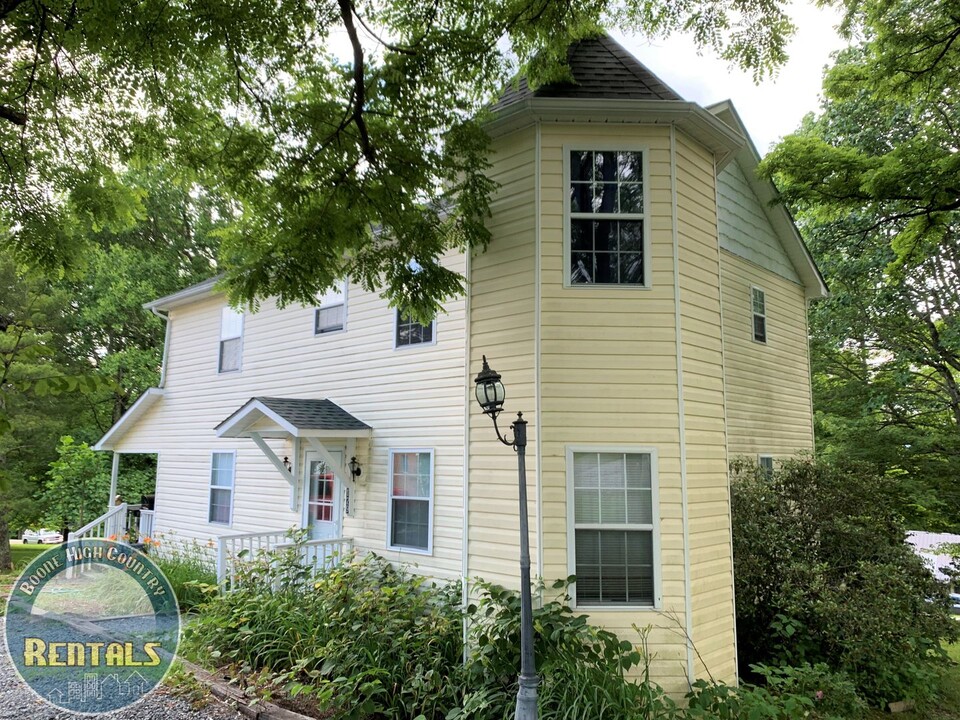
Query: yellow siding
x=609 y=377
x=708 y=508
x=768 y=385
x=357 y=369
x=502 y=311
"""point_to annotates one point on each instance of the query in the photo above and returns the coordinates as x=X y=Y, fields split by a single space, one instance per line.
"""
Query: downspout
x=468 y=385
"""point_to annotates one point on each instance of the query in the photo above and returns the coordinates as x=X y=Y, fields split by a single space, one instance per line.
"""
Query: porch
x=236 y=549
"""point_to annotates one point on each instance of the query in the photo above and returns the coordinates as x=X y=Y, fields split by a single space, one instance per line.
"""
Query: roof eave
x=723 y=140
x=120 y=428
x=201 y=290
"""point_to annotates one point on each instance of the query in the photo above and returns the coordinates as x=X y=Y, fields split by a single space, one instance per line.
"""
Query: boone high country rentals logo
x=92 y=626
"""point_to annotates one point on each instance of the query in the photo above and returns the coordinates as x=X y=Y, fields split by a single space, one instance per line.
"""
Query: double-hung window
x=766 y=466
x=411 y=498
x=607 y=238
x=614 y=543
x=222 y=468
x=331 y=315
x=758 y=302
x=410 y=332
x=231 y=340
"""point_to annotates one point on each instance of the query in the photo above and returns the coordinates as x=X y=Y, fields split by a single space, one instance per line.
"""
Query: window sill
x=411 y=551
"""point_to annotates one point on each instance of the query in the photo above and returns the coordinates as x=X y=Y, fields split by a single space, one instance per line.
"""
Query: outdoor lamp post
x=490 y=395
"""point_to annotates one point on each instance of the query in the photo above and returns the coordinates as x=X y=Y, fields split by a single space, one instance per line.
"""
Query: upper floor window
x=607 y=237
x=614 y=536
x=331 y=316
x=231 y=340
x=410 y=332
x=759 y=305
x=221 y=487
x=411 y=497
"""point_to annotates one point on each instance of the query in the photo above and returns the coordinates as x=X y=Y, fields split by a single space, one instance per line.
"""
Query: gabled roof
x=297 y=417
x=146 y=401
x=188 y=294
x=601 y=68
x=780 y=218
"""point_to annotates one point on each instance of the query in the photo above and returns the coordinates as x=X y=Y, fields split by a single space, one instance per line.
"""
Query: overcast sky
x=769 y=110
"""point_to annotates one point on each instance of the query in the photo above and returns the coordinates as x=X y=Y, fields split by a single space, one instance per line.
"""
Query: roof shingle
x=313 y=414
x=601 y=68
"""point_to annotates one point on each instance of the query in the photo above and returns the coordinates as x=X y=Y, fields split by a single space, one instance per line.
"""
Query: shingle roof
x=313 y=414
x=601 y=68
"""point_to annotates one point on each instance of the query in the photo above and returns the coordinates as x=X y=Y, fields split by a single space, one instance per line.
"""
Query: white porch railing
x=235 y=549
x=112 y=524
x=145 y=528
x=321 y=555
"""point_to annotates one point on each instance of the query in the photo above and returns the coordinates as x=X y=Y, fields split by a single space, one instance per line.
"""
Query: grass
x=22 y=555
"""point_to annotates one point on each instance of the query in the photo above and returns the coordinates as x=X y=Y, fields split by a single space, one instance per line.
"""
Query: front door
x=322 y=498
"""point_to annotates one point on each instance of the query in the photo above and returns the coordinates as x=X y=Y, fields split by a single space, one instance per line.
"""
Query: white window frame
x=647 y=257
x=654 y=527
x=396 y=323
x=767 y=472
x=223 y=311
x=754 y=315
x=211 y=487
x=321 y=306
x=390 y=497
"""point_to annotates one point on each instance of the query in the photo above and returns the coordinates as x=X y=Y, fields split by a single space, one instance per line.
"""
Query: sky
x=771 y=109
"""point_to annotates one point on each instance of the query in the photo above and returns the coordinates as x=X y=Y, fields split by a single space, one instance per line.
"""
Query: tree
x=334 y=166
x=874 y=181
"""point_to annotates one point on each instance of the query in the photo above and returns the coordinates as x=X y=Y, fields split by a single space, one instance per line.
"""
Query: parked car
x=955 y=602
x=42 y=537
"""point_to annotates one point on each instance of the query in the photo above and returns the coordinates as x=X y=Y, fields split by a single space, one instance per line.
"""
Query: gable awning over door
x=308 y=419
x=272 y=417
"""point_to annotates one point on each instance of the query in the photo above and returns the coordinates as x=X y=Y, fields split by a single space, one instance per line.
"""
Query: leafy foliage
x=823 y=575
x=333 y=163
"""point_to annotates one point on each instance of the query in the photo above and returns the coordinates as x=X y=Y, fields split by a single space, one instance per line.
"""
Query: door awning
x=270 y=417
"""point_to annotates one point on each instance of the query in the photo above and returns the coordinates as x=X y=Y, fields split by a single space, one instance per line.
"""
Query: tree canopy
x=874 y=180
x=329 y=165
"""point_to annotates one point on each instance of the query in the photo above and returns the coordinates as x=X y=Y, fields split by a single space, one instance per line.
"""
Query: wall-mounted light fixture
x=355 y=468
x=287 y=464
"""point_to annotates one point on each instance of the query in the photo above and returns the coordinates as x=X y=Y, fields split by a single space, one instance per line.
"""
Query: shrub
x=823 y=575
x=364 y=637
x=833 y=694
x=189 y=569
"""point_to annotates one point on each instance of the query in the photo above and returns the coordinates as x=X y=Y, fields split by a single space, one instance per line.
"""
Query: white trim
x=182 y=297
x=211 y=487
x=318 y=308
x=681 y=410
x=754 y=314
x=645 y=216
x=242 y=316
x=433 y=475
x=465 y=500
x=537 y=321
x=396 y=322
x=654 y=526
x=116 y=432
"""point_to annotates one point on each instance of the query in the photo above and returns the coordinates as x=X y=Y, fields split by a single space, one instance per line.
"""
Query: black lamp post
x=490 y=395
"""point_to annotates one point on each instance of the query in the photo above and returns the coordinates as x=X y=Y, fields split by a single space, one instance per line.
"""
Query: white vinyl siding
x=758 y=303
x=222 y=468
x=410 y=509
x=606 y=233
x=331 y=315
x=614 y=538
x=231 y=340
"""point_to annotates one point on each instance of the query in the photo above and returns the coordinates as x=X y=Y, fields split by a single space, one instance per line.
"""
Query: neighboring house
x=930 y=547
x=646 y=306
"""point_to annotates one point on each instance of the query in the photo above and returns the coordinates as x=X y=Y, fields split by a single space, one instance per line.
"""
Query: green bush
x=823 y=575
x=582 y=667
x=189 y=569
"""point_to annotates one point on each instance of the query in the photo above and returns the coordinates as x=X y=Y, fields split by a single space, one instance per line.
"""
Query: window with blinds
x=613 y=528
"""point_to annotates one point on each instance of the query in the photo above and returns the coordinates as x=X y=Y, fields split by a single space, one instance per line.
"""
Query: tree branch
x=359 y=90
x=14 y=116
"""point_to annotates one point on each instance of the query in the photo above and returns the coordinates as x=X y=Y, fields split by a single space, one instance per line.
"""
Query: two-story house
x=646 y=306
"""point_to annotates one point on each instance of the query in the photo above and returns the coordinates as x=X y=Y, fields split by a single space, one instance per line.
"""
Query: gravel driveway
x=18 y=702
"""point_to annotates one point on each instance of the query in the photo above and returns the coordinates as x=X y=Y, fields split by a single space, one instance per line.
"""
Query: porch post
x=114 y=475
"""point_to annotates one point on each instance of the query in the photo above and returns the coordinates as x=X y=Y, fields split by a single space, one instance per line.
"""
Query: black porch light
x=490 y=395
x=355 y=468
x=490 y=391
